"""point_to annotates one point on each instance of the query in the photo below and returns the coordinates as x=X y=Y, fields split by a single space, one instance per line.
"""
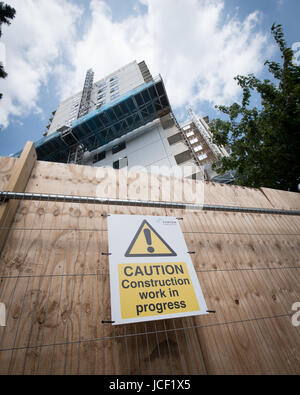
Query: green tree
x=6 y=13
x=264 y=142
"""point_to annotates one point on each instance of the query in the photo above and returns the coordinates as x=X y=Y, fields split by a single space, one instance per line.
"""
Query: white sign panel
x=152 y=276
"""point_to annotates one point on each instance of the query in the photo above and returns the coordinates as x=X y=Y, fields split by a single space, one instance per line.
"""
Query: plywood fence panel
x=6 y=167
x=17 y=181
x=282 y=199
x=106 y=182
x=54 y=281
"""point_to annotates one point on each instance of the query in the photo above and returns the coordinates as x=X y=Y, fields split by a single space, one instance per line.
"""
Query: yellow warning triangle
x=147 y=242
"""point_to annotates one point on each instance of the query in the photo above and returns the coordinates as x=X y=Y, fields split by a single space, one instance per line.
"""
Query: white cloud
x=193 y=44
x=281 y=3
x=39 y=37
x=296 y=49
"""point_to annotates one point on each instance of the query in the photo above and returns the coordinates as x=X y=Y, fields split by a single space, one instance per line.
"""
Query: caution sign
x=152 y=276
x=148 y=289
x=147 y=242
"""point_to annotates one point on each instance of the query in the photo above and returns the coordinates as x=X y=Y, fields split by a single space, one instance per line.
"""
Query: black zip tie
x=107 y=322
x=180 y=219
x=106 y=253
x=191 y=252
x=105 y=215
x=211 y=311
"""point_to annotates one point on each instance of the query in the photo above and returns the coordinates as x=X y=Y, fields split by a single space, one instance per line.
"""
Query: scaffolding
x=203 y=128
x=134 y=109
x=54 y=275
x=86 y=94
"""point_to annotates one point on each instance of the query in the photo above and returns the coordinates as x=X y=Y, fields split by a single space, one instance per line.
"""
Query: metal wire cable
x=175 y=335
x=5 y=195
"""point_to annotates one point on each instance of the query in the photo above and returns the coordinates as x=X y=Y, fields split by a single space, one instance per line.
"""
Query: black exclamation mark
x=147 y=234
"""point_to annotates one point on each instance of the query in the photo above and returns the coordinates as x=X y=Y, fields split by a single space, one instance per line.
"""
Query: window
x=114 y=96
x=116 y=165
x=198 y=148
x=99 y=156
x=186 y=127
x=119 y=164
x=118 y=148
x=201 y=157
x=175 y=138
x=183 y=157
x=193 y=141
x=189 y=134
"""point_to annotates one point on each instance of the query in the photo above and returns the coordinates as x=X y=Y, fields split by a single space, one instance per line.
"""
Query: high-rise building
x=96 y=95
x=125 y=120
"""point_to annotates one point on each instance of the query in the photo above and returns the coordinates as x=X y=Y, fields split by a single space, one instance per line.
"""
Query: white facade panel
x=148 y=155
x=148 y=148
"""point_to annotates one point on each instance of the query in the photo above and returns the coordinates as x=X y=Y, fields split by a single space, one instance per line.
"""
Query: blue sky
x=196 y=45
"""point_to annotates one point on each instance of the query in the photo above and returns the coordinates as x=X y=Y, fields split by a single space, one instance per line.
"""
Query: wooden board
x=54 y=281
x=282 y=199
x=106 y=182
x=17 y=180
x=6 y=168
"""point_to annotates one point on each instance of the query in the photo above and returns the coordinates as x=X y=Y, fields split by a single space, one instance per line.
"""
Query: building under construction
x=125 y=120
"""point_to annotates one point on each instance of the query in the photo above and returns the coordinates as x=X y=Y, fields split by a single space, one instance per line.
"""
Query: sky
x=197 y=46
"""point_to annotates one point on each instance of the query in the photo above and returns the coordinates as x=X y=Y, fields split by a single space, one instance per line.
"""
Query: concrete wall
x=147 y=147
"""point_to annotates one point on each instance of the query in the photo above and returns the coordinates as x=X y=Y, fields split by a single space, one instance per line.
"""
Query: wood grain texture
x=17 y=181
x=282 y=199
x=6 y=168
x=106 y=182
x=54 y=281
